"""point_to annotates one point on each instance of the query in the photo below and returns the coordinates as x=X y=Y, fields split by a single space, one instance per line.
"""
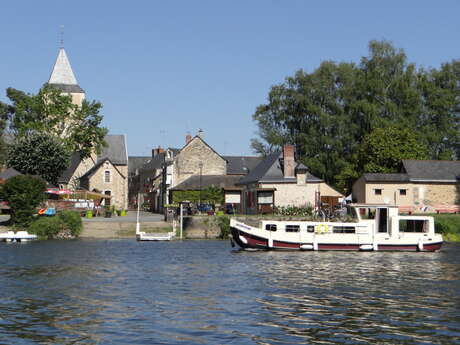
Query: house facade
x=423 y=185
x=280 y=181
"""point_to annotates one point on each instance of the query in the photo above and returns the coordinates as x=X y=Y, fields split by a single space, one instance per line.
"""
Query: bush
x=448 y=226
x=72 y=222
x=294 y=211
x=46 y=227
x=224 y=224
x=24 y=193
x=49 y=227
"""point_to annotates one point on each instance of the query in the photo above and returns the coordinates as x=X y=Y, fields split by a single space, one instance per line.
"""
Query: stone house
x=107 y=171
x=281 y=181
x=423 y=185
x=111 y=166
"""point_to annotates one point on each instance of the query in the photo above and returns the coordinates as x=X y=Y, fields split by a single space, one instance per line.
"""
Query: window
x=402 y=191
x=413 y=225
x=378 y=191
x=107 y=176
x=108 y=193
x=367 y=213
x=265 y=197
x=292 y=228
x=343 y=230
x=311 y=228
x=270 y=227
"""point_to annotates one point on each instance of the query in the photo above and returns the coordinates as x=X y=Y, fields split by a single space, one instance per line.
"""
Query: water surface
x=202 y=292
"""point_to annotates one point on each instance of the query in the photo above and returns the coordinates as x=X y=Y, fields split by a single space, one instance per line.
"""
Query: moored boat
x=368 y=228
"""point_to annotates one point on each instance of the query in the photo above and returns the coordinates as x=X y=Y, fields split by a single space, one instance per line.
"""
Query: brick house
x=422 y=185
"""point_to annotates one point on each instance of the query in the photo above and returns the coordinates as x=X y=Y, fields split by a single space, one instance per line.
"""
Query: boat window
x=413 y=225
x=344 y=230
x=367 y=212
x=292 y=228
x=270 y=227
x=311 y=228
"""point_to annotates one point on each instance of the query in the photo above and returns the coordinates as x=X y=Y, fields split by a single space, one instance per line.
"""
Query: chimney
x=188 y=138
x=289 y=162
x=156 y=151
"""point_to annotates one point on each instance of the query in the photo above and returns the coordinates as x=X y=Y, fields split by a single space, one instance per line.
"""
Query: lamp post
x=200 y=165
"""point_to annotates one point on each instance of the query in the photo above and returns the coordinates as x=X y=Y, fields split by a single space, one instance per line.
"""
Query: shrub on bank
x=448 y=225
x=72 y=221
x=224 y=224
x=67 y=224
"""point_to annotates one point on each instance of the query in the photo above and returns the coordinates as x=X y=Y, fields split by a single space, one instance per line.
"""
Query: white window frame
x=110 y=176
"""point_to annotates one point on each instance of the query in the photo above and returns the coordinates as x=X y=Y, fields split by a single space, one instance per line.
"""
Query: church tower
x=62 y=77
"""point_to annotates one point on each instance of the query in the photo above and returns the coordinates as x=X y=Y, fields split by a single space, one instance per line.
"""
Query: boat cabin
x=361 y=219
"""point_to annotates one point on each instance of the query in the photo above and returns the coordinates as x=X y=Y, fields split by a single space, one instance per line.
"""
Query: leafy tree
x=39 y=154
x=213 y=195
x=384 y=148
x=327 y=113
x=53 y=113
x=24 y=193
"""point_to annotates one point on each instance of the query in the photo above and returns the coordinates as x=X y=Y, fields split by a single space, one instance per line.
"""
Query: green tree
x=39 y=154
x=53 y=113
x=384 y=148
x=327 y=113
x=212 y=195
x=23 y=193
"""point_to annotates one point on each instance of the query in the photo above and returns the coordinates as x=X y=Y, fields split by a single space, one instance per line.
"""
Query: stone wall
x=201 y=227
x=290 y=194
x=187 y=162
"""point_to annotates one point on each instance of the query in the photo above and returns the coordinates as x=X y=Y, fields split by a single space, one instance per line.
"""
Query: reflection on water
x=201 y=292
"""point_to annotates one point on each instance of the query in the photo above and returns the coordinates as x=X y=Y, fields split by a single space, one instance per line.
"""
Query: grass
x=448 y=225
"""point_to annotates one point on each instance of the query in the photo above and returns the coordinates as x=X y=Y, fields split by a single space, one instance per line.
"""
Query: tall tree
x=53 y=113
x=327 y=113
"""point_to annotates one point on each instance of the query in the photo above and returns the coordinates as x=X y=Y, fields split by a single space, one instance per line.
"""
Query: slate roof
x=193 y=182
x=432 y=170
x=9 y=173
x=241 y=165
x=62 y=71
x=136 y=162
x=68 y=88
x=116 y=149
x=68 y=173
x=376 y=177
x=269 y=170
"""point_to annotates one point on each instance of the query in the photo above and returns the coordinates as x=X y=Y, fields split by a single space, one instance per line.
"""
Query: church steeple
x=62 y=77
x=62 y=71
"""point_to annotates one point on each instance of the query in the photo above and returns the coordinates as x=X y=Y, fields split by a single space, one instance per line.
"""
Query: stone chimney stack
x=188 y=138
x=289 y=161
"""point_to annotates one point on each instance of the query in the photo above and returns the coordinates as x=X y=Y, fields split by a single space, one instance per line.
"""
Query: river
x=203 y=292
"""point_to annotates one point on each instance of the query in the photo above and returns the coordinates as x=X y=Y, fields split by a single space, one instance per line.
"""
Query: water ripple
x=201 y=292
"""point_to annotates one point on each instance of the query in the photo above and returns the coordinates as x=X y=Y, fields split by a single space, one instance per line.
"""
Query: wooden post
x=181 y=219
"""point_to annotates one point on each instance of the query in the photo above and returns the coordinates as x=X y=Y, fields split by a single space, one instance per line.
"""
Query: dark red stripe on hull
x=257 y=242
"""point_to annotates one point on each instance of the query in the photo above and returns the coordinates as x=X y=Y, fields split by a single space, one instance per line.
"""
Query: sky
x=165 y=68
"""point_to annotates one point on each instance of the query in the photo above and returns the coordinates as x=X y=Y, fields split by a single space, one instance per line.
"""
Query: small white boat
x=370 y=228
x=143 y=236
x=20 y=236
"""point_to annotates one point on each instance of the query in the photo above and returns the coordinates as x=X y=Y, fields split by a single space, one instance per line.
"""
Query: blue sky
x=162 y=68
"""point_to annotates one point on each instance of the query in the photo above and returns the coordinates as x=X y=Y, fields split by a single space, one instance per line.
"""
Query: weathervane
x=62 y=36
